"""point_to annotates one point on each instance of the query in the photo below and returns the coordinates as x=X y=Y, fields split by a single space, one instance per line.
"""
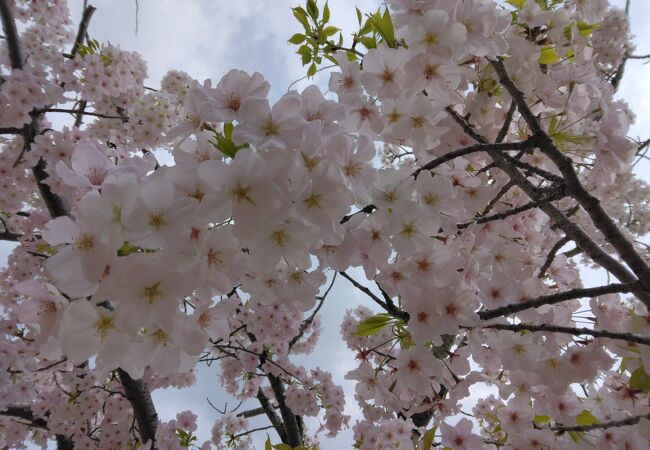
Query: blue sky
x=206 y=39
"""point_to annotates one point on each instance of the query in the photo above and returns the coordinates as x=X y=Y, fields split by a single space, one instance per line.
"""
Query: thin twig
x=551 y=255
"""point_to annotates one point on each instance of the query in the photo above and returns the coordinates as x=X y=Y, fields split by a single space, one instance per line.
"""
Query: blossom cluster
x=225 y=255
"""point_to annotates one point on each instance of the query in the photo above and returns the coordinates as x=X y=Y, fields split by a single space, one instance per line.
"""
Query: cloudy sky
x=206 y=39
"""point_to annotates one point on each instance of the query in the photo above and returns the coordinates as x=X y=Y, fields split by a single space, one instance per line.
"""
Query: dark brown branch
x=582 y=239
x=136 y=391
x=55 y=204
x=10 y=130
x=394 y=311
x=64 y=442
x=293 y=436
x=253 y=430
x=620 y=70
x=533 y=169
x=9 y=236
x=503 y=132
x=552 y=299
x=269 y=410
x=503 y=191
x=83 y=29
x=628 y=337
x=551 y=255
x=144 y=410
x=603 y=222
x=78 y=111
x=255 y=411
x=308 y=321
x=601 y=426
x=25 y=413
x=513 y=211
x=482 y=147
x=11 y=35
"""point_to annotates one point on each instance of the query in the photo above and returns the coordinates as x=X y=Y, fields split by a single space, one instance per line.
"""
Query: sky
x=209 y=37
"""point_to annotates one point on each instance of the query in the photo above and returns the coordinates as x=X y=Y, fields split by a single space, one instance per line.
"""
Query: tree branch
x=628 y=337
x=79 y=112
x=308 y=321
x=481 y=147
x=144 y=410
x=551 y=255
x=394 y=311
x=601 y=426
x=513 y=211
x=83 y=29
x=11 y=35
x=269 y=410
x=552 y=299
x=582 y=239
x=503 y=132
x=293 y=436
x=24 y=412
x=603 y=222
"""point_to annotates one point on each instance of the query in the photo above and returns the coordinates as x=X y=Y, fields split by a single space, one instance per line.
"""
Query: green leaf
x=225 y=145
x=312 y=70
x=586 y=418
x=267 y=444
x=326 y=13
x=126 y=249
x=373 y=325
x=427 y=439
x=552 y=127
x=306 y=58
x=384 y=26
x=45 y=249
x=330 y=31
x=541 y=419
x=312 y=9
x=296 y=39
x=585 y=29
x=368 y=42
x=282 y=447
x=548 y=55
x=519 y=4
x=640 y=380
x=359 y=15
x=367 y=27
x=227 y=130
x=577 y=436
x=301 y=16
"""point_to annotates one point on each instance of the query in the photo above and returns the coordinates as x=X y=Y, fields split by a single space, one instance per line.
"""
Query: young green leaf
x=548 y=55
x=301 y=16
x=640 y=380
x=296 y=39
x=312 y=9
x=326 y=13
x=519 y=4
x=384 y=26
x=586 y=418
x=373 y=325
x=312 y=70
x=427 y=439
x=330 y=31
